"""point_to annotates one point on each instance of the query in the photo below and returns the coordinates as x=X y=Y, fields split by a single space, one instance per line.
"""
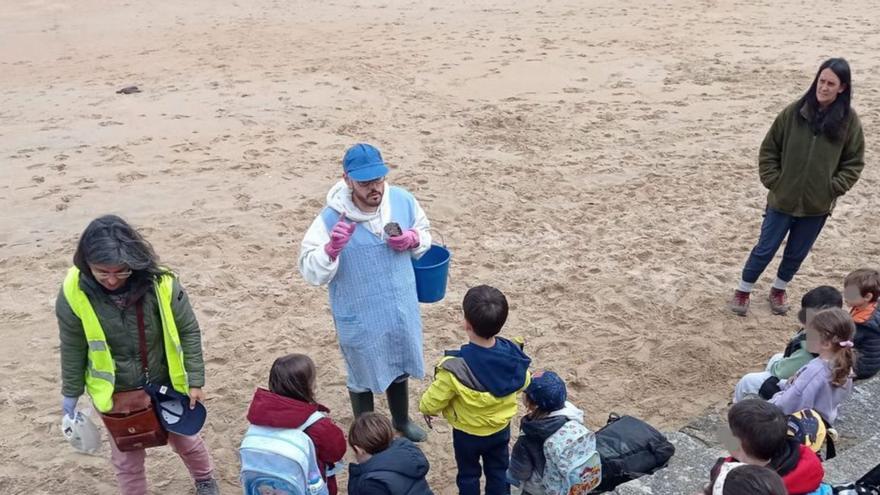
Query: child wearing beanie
x=555 y=452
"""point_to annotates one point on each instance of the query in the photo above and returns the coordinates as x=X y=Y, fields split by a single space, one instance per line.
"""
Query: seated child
x=552 y=420
x=757 y=434
x=826 y=380
x=290 y=401
x=475 y=390
x=782 y=366
x=861 y=290
x=736 y=478
x=385 y=465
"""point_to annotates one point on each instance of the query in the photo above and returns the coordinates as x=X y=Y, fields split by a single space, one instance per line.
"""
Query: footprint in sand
x=129 y=177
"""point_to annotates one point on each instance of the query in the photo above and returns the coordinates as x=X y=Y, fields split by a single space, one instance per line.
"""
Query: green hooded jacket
x=806 y=172
x=121 y=330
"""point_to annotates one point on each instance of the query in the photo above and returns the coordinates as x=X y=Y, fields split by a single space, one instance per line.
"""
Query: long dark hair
x=110 y=240
x=834 y=122
x=293 y=376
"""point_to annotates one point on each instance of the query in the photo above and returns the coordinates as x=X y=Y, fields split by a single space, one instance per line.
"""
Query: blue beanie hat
x=547 y=391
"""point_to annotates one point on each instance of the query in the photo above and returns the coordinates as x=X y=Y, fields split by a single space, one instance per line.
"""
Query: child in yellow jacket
x=475 y=389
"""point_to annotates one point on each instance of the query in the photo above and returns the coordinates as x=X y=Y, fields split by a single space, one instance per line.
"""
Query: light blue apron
x=374 y=304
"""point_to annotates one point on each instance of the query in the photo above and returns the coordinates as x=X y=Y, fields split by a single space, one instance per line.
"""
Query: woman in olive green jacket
x=812 y=155
x=117 y=270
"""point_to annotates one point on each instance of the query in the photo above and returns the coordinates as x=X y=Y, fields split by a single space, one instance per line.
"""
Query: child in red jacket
x=290 y=401
x=758 y=435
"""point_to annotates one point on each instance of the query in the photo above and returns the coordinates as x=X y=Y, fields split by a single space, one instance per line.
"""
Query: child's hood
x=277 y=411
x=865 y=315
x=571 y=412
x=501 y=369
x=807 y=474
x=544 y=428
x=402 y=457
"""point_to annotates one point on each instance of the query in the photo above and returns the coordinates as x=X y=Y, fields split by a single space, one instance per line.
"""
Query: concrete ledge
x=853 y=463
x=687 y=471
x=860 y=415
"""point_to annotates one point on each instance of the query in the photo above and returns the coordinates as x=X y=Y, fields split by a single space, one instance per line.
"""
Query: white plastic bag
x=81 y=433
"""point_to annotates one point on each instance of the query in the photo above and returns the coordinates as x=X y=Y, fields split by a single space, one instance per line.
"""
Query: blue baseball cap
x=363 y=162
x=173 y=410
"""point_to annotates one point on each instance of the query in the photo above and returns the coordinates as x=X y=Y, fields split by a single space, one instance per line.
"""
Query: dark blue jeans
x=493 y=450
x=802 y=233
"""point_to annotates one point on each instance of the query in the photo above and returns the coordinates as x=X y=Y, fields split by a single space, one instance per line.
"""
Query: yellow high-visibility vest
x=101 y=370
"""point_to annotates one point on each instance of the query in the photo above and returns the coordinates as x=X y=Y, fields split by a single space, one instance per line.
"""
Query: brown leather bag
x=132 y=423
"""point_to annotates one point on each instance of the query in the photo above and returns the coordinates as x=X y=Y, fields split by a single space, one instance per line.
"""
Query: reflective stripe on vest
x=100 y=374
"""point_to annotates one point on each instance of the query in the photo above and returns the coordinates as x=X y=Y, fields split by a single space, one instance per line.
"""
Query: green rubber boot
x=361 y=402
x=398 y=403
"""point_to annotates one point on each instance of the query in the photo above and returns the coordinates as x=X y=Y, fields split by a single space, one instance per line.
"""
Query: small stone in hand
x=392 y=229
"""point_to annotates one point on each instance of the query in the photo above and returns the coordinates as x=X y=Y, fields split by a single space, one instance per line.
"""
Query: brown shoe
x=740 y=303
x=778 y=301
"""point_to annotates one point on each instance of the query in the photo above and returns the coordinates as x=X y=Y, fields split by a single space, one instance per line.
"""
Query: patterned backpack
x=573 y=466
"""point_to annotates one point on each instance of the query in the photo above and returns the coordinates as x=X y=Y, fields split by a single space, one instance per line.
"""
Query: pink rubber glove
x=339 y=237
x=402 y=242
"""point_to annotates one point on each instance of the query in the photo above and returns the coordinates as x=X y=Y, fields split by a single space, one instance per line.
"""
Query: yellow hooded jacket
x=465 y=402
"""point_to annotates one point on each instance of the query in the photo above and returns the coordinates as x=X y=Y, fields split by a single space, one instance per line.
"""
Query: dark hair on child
x=821 y=297
x=749 y=480
x=836 y=326
x=754 y=480
x=293 y=376
x=371 y=432
x=760 y=427
x=867 y=280
x=485 y=309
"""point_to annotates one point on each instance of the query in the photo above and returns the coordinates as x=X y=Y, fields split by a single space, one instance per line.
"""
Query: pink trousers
x=132 y=477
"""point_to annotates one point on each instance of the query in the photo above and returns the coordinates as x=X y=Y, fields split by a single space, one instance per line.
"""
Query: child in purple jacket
x=823 y=383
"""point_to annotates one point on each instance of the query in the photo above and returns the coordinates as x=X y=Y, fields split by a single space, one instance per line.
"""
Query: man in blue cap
x=362 y=245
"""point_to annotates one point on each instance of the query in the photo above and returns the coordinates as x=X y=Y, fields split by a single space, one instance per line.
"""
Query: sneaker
x=778 y=302
x=740 y=303
x=207 y=487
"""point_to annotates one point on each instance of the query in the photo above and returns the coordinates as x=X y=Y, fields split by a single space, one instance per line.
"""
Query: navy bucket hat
x=363 y=163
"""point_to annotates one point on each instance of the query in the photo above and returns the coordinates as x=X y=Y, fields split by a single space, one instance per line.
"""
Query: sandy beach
x=596 y=161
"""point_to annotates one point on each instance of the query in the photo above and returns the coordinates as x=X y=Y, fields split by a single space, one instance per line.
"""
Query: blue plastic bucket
x=432 y=271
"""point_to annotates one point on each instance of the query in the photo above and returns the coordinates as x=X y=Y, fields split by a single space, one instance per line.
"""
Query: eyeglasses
x=105 y=275
x=368 y=183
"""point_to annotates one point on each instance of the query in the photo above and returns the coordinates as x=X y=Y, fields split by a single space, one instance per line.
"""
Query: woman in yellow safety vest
x=115 y=283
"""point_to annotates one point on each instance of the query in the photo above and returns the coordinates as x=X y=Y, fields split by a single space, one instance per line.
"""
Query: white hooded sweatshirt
x=317 y=267
x=571 y=412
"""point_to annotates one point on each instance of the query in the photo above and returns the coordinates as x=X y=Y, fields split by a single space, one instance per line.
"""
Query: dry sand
x=595 y=160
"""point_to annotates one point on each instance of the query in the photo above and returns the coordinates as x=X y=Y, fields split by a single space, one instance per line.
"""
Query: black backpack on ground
x=630 y=448
x=869 y=484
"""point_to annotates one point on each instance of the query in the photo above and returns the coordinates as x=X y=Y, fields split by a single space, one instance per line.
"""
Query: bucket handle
x=432 y=230
x=443 y=240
